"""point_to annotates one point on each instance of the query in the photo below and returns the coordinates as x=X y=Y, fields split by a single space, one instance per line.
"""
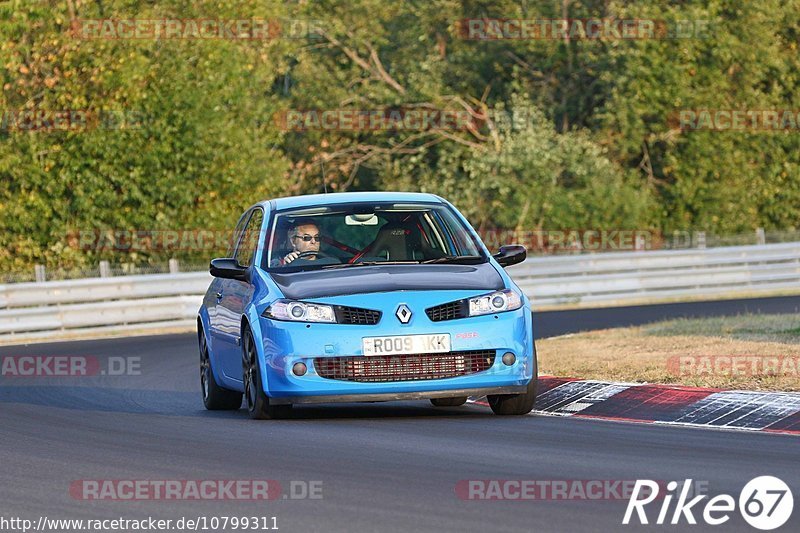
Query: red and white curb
x=777 y=412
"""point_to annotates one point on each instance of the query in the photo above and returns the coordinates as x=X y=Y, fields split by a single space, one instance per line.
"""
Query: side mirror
x=228 y=268
x=511 y=255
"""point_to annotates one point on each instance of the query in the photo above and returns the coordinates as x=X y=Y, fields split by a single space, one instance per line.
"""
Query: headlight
x=299 y=311
x=494 y=302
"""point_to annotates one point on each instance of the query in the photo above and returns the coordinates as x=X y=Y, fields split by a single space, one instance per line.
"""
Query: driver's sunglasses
x=308 y=238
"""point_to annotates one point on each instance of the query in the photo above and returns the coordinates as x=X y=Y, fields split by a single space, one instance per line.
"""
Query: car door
x=234 y=297
x=220 y=341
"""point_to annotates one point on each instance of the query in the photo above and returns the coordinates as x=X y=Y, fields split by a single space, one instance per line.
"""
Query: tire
x=256 y=399
x=517 y=404
x=514 y=404
x=215 y=398
x=449 y=402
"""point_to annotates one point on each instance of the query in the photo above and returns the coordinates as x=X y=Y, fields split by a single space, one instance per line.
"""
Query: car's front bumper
x=287 y=343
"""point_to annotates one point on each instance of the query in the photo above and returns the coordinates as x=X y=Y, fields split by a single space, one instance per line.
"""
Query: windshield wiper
x=370 y=263
x=454 y=259
x=469 y=259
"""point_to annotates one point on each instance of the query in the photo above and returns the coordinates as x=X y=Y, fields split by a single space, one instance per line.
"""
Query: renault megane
x=354 y=297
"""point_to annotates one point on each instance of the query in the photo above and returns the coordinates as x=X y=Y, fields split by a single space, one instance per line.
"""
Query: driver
x=303 y=237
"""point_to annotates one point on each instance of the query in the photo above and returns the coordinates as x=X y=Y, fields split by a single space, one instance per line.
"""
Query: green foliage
x=179 y=145
x=188 y=139
x=533 y=178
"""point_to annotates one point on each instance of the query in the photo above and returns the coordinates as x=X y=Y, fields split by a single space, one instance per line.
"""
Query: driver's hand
x=290 y=257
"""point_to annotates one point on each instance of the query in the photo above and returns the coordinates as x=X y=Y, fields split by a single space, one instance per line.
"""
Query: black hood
x=384 y=278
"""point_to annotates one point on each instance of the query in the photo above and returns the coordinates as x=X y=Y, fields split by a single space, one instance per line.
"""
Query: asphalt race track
x=555 y=323
x=382 y=467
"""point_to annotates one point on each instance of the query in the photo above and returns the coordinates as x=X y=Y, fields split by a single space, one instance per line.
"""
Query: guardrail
x=626 y=276
x=88 y=304
x=91 y=305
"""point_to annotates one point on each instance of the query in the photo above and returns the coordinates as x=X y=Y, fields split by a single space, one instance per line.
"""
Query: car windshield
x=360 y=234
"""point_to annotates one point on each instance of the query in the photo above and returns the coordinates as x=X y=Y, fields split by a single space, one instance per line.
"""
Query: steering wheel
x=312 y=252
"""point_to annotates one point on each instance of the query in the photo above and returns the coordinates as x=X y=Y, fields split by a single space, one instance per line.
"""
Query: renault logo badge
x=403 y=313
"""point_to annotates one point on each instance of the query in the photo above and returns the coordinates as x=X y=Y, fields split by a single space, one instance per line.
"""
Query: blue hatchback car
x=363 y=297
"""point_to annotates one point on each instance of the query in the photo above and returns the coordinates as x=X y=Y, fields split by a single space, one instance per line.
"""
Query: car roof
x=312 y=200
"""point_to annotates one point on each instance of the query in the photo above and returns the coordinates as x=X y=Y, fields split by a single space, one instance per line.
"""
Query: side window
x=237 y=233
x=249 y=243
x=461 y=240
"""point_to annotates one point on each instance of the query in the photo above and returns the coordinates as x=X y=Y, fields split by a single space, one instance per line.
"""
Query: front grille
x=404 y=367
x=448 y=311
x=356 y=315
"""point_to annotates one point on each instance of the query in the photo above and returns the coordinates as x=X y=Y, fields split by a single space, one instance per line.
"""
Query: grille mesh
x=448 y=311
x=404 y=367
x=356 y=315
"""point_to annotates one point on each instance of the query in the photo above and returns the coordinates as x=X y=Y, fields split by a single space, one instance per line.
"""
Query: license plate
x=406 y=344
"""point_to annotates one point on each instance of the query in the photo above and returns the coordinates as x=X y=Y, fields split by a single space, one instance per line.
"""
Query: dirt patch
x=759 y=352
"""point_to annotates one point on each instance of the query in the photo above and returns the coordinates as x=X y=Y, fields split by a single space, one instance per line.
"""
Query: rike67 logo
x=765 y=503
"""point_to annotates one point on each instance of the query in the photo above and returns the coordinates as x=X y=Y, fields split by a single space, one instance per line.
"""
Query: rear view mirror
x=227 y=268
x=511 y=255
x=367 y=219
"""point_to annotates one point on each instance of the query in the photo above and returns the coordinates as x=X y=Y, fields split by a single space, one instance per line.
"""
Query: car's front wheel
x=449 y=402
x=215 y=398
x=514 y=404
x=257 y=400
